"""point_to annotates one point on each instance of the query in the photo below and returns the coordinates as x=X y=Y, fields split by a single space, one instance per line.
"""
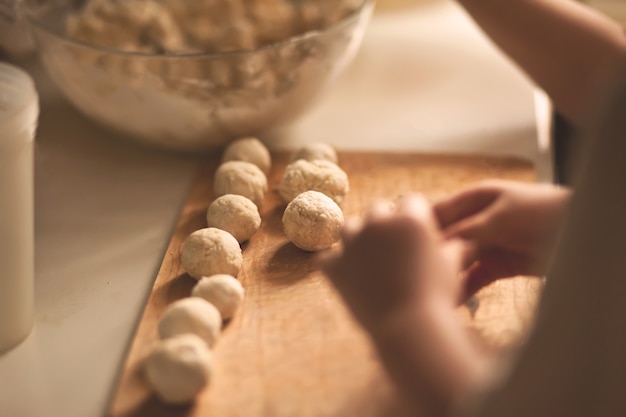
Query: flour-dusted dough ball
x=211 y=251
x=236 y=214
x=319 y=175
x=191 y=315
x=316 y=150
x=249 y=150
x=223 y=291
x=312 y=221
x=242 y=178
x=177 y=369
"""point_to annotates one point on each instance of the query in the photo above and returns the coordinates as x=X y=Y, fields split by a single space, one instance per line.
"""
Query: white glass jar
x=19 y=111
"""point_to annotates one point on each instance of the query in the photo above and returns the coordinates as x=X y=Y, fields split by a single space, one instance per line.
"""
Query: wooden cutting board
x=293 y=349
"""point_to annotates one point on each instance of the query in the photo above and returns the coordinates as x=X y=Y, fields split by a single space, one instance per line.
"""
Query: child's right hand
x=512 y=227
x=394 y=259
x=399 y=277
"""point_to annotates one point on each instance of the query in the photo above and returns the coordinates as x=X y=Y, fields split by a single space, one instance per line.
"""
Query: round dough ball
x=319 y=175
x=249 y=150
x=179 y=368
x=211 y=251
x=223 y=291
x=316 y=150
x=312 y=221
x=242 y=178
x=191 y=315
x=236 y=214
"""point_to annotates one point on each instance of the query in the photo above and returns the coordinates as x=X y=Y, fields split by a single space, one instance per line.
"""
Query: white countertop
x=425 y=79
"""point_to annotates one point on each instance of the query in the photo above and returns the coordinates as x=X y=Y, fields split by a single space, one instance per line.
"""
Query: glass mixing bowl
x=193 y=101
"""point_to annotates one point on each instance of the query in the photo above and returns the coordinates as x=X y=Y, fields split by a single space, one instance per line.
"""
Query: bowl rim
x=352 y=16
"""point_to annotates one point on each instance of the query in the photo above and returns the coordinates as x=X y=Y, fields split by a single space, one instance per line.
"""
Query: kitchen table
x=425 y=79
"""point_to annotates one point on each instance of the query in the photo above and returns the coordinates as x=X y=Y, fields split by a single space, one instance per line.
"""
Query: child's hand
x=512 y=225
x=399 y=276
x=395 y=259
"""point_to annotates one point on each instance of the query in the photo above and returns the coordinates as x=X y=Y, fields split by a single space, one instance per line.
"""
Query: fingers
x=469 y=255
x=350 y=228
x=327 y=261
x=455 y=252
x=417 y=207
x=379 y=212
x=414 y=205
x=464 y=204
x=471 y=228
x=476 y=277
x=379 y=209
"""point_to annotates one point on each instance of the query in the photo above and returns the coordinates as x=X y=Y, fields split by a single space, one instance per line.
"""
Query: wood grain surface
x=293 y=349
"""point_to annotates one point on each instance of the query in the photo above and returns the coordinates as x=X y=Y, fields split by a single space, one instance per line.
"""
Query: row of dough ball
x=243 y=170
x=181 y=363
x=314 y=186
x=240 y=185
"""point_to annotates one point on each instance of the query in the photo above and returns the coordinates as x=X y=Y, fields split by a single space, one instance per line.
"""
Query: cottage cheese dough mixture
x=191 y=315
x=312 y=221
x=242 y=178
x=181 y=102
x=179 y=368
x=191 y=26
x=235 y=214
x=318 y=175
x=316 y=150
x=249 y=150
x=225 y=292
x=211 y=251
